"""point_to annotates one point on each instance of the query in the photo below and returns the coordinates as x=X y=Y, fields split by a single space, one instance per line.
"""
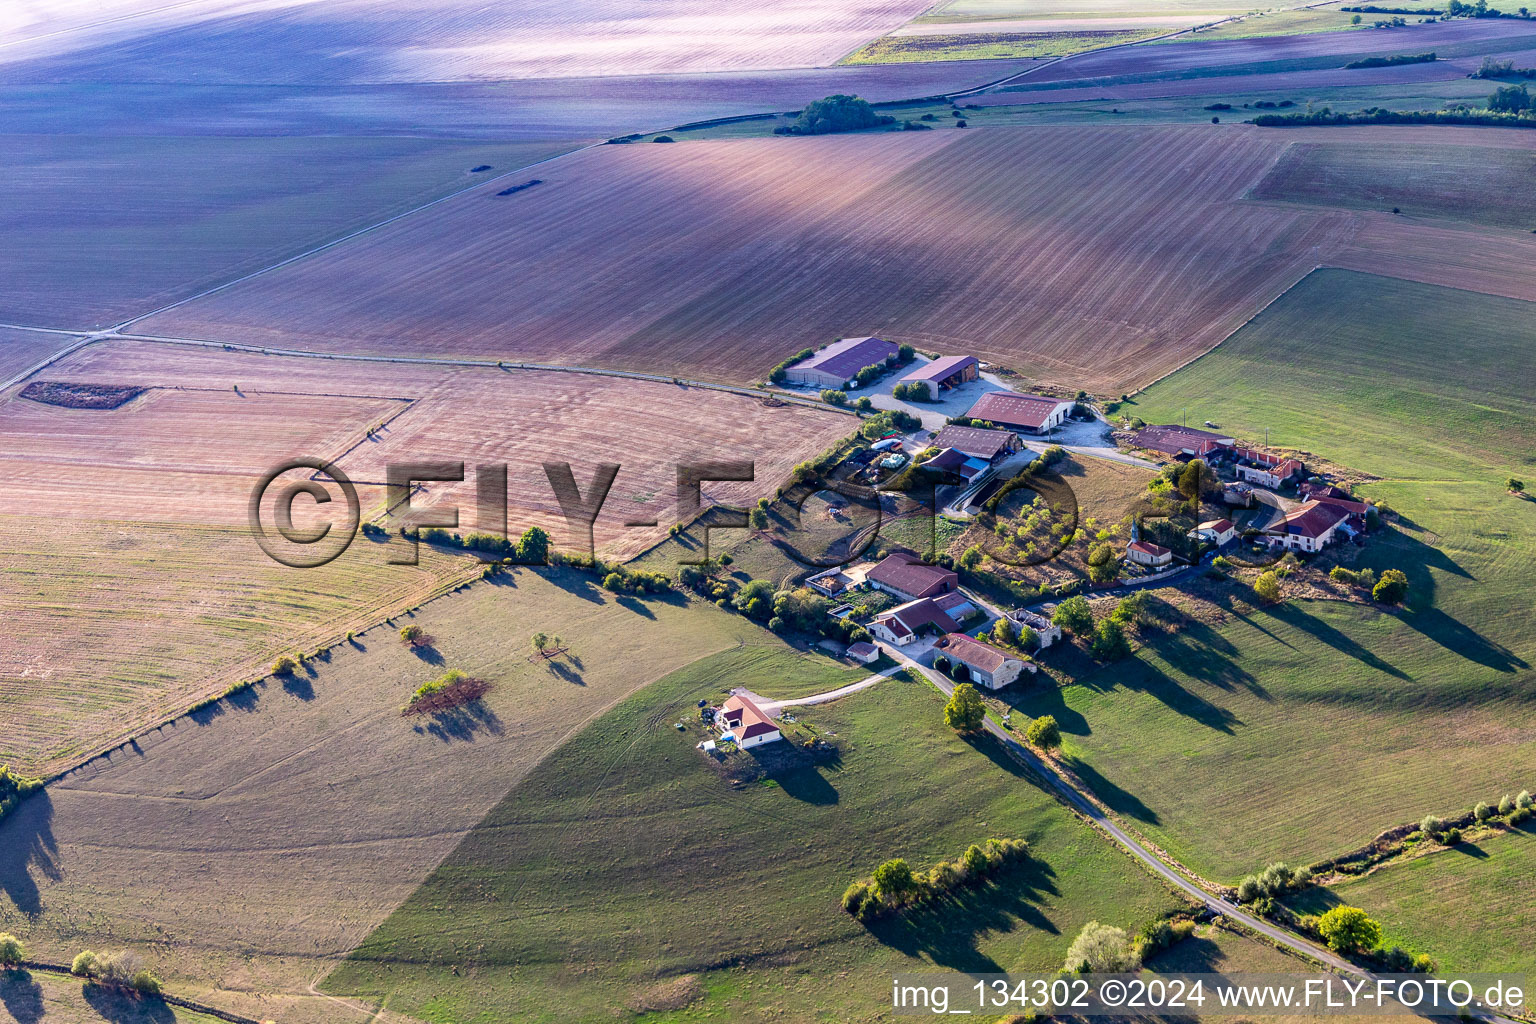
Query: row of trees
x=1105 y=949
x=895 y=886
x=1107 y=640
x=1390 y=588
x=917 y=391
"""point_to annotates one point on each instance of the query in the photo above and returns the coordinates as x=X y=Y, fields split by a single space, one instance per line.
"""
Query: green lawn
x=1301 y=731
x=626 y=872
x=1470 y=905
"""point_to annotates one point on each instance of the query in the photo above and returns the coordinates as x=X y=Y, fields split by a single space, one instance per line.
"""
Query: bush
x=1267 y=586
x=411 y=634
x=894 y=880
x=284 y=666
x=1506 y=805
x=1101 y=949
x=1109 y=642
x=12 y=952
x=1074 y=616
x=1524 y=800
x=834 y=397
x=855 y=896
x=1044 y=733
x=1452 y=837
x=1391 y=588
x=1348 y=930
x=84 y=964
x=1482 y=812
x=533 y=547
x=864 y=404
x=837 y=113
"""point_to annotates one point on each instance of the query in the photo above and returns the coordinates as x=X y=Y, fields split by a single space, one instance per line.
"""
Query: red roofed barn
x=1033 y=414
x=906 y=577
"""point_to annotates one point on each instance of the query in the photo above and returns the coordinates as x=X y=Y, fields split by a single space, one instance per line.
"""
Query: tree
x=12 y=952
x=411 y=634
x=1510 y=99
x=84 y=964
x=1194 y=480
x=1028 y=638
x=755 y=600
x=965 y=712
x=757 y=519
x=1515 y=485
x=1431 y=825
x=1267 y=586
x=833 y=396
x=284 y=666
x=1482 y=812
x=539 y=641
x=1391 y=588
x=1348 y=930
x=1004 y=632
x=863 y=404
x=970 y=558
x=1109 y=642
x=1044 y=733
x=894 y=880
x=1103 y=565
x=1074 y=616
x=837 y=113
x=533 y=547
x=1101 y=949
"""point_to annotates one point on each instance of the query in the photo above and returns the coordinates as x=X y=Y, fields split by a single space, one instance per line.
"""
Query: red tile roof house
x=905 y=576
x=1330 y=495
x=1147 y=553
x=986 y=665
x=1217 y=531
x=838 y=363
x=948 y=372
x=905 y=623
x=1307 y=527
x=741 y=720
x=1265 y=469
x=977 y=442
x=863 y=652
x=1171 y=439
x=1032 y=414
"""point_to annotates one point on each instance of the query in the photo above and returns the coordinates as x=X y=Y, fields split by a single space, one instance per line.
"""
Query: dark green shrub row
x=895 y=887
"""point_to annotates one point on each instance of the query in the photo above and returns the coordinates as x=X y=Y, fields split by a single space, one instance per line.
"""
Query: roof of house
x=1148 y=548
x=1219 y=525
x=1350 y=505
x=950 y=602
x=862 y=649
x=1172 y=439
x=972 y=652
x=1015 y=410
x=953 y=460
x=1276 y=464
x=903 y=572
x=977 y=442
x=914 y=615
x=940 y=368
x=1325 y=491
x=745 y=718
x=847 y=357
x=1309 y=519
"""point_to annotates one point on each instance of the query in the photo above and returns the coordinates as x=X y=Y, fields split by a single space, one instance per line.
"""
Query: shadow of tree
x=566 y=672
x=948 y=930
x=1118 y=800
x=121 y=1008
x=21 y=996
x=1295 y=615
x=1457 y=636
x=428 y=653
x=299 y=686
x=636 y=606
x=26 y=845
x=464 y=724
x=244 y=699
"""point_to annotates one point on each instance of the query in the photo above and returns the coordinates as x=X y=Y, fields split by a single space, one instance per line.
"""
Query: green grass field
x=1303 y=730
x=991 y=45
x=625 y=872
x=1471 y=905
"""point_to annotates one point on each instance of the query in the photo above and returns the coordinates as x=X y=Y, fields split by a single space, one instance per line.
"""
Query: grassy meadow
x=627 y=873
x=992 y=45
x=1302 y=730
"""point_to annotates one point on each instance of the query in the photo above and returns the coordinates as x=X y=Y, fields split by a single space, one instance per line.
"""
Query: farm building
x=905 y=623
x=838 y=363
x=986 y=665
x=1309 y=527
x=742 y=721
x=952 y=460
x=864 y=652
x=903 y=575
x=1044 y=628
x=1238 y=494
x=1145 y=552
x=1264 y=469
x=1032 y=414
x=1215 y=531
x=1172 y=439
x=977 y=442
x=948 y=372
x=1340 y=498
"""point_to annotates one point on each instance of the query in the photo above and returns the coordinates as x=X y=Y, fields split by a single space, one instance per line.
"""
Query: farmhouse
x=1044 y=628
x=838 y=363
x=1265 y=469
x=978 y=442
x=1031 y=414
x=948 y=372
x=1339 y=498
x=905 y=623
x=1171 y=439
x=863 y=652
x=742 y=721
x=1310 y=526
x=1216 y=531
x=906 y=577
x=986 y=665
x=1145 y=552
x=1238 y=494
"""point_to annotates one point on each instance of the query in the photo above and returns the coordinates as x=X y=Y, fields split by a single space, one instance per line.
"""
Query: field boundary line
x=212 y=1011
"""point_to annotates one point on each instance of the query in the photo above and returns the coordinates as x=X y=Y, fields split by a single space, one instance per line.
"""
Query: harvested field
x=1091 y=258
x=36 y=997
x=136 y=588
x=1497 y=262
x=271 y=831
x=928 y=27
x=895 y=49
x=336 y=41
x=22 y=350
x=107 y=228
x=1475 y=184
x=531 y=110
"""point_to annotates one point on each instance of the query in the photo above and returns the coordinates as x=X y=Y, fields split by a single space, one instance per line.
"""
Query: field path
x=771 y=706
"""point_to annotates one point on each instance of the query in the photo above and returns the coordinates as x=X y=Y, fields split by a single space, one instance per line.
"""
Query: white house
x=905 y=623
x=1265 y=469
x=864 y=652
x=1308 y=527
x=986 y=665
x=1216 y=531
x=746 y=724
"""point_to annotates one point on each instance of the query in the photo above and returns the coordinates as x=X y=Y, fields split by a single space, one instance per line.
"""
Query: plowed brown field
x=1094 y=257
x=133 y=587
